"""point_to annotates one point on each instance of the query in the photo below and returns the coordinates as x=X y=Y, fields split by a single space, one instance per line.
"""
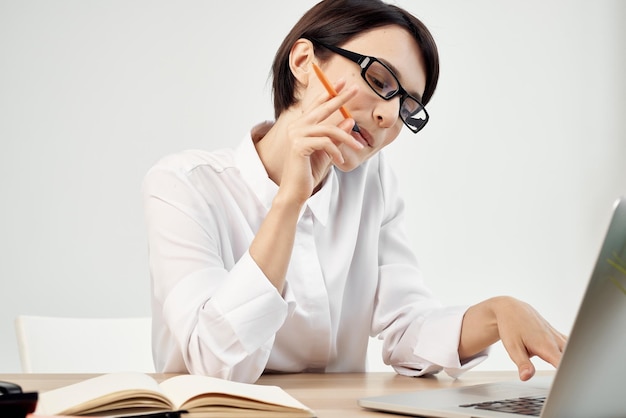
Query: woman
x=286 y=253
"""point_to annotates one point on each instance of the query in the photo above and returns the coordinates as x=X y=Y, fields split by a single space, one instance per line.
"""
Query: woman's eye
x=377 y=83
x=381 y=80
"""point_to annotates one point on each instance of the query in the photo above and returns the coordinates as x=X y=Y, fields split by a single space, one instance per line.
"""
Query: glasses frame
x=365 y=61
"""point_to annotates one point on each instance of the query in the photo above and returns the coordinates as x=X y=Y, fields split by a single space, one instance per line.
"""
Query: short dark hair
x=335 y=22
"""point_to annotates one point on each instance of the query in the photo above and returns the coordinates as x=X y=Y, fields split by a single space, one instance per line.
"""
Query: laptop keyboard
x=530 y=406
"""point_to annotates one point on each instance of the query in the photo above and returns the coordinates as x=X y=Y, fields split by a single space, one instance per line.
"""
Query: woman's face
x=377 y=119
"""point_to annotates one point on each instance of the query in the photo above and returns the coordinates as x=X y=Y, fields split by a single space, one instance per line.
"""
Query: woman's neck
x=268 y=140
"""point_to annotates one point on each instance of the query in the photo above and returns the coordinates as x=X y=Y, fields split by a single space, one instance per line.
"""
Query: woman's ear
x=300 y=58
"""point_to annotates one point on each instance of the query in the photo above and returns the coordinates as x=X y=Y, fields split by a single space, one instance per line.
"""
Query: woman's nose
x=386 y=112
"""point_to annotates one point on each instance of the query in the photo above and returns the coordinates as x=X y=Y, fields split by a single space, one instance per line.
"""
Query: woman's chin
x=350 y=163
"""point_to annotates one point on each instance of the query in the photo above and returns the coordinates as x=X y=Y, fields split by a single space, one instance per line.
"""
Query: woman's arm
x=214 y=312
x=297 y=155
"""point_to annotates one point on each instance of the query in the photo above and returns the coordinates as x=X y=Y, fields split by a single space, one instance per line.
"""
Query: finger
x=340 y=134
x=526 y=371
x=521 y=358
x=552 y=353
x=561 y=339
x=325 y=105
x=550 y=348
x=338 y=87
x=346 y=125
x=525 y=367
x=323 y=143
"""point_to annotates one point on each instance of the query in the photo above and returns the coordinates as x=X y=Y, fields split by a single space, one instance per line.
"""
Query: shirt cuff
x=436 y=344
x=250 y=304
x=244 y=311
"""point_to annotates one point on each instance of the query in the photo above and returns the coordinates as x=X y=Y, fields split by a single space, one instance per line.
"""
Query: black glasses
x=385 y=84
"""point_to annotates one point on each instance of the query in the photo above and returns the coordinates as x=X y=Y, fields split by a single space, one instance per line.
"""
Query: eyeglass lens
x=383 y=82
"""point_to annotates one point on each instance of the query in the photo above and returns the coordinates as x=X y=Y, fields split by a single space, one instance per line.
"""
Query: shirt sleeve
x=420 y=336
x=215 y=313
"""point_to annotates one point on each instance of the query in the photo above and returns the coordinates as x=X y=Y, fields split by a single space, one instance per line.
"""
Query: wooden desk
x=330 y=395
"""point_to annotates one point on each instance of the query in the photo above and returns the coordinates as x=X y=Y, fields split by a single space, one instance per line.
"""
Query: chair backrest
x=84 y=345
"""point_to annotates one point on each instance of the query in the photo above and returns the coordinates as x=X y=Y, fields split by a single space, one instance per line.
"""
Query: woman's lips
x=363 y=137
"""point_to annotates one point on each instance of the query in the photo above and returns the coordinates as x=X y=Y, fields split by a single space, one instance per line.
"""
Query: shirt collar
x=319 y=203
x=254 y=174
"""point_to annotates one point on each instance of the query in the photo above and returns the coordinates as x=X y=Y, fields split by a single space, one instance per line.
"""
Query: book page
x=99 y=391
x=181 y=389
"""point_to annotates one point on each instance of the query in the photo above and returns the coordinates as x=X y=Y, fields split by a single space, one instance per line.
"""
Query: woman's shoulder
x=186 y=161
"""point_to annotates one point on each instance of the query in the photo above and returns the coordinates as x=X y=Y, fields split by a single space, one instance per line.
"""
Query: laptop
x=590 y=380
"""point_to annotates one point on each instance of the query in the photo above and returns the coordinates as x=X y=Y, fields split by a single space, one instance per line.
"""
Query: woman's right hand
x=314 y=144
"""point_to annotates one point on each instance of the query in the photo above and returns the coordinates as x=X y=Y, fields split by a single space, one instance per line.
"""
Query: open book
x=118 y=394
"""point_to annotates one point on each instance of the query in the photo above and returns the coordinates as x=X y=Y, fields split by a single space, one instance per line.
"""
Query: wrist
x=288 y=202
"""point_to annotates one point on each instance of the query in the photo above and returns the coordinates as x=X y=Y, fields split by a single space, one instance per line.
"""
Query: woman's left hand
x=522 y=330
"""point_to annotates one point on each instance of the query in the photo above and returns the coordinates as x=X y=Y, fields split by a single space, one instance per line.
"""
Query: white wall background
x=509 y=189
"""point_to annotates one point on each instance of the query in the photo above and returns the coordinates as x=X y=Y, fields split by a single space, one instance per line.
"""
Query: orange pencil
x=331 y=90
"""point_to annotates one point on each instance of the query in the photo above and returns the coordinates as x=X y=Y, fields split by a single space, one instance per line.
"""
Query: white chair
x=84 y=345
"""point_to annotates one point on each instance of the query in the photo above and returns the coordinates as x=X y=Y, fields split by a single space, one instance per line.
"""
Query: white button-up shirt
x=352 y=275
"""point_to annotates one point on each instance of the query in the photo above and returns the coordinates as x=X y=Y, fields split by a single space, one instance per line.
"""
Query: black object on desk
x=14 y=403
x=172 y=414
